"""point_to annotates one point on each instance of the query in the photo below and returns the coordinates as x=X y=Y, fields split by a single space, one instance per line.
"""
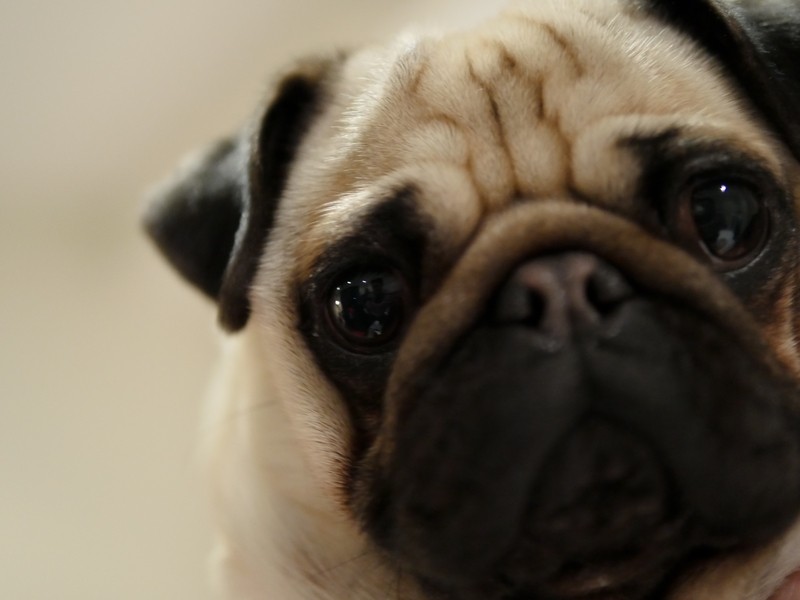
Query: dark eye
x=368 y=308
x=726 y=218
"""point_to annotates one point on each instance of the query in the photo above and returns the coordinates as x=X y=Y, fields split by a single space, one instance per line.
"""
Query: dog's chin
x=535 y=570
x=619 y=581
x=613 y=584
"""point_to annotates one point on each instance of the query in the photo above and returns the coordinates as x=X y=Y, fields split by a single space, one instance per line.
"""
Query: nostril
x=606 y=290
x=537 y=307
x=520 y=304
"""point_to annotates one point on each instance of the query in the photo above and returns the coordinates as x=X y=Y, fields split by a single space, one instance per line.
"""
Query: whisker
x=233 y=416
x=360 y=579
x=344 y=563
x=247 y=410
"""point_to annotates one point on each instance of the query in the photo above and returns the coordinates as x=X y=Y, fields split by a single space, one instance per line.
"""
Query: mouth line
x=597 y=582
x=617 y=580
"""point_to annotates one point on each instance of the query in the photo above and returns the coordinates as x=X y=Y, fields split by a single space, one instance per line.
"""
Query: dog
x=512 y=311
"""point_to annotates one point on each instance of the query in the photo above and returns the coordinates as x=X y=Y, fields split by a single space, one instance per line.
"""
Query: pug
x=512 y=311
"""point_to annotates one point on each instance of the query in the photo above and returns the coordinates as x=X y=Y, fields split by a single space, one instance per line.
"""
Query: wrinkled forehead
x=540 y=103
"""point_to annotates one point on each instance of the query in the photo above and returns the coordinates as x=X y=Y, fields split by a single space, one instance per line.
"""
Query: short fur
x=542 y=129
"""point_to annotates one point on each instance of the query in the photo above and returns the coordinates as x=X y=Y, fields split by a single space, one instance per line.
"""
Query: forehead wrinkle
x=542 y=66
x=495 y=91
x=440 y=76
x=517 y=146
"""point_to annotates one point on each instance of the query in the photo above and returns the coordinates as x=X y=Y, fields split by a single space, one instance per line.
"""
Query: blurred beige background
x=105 y=355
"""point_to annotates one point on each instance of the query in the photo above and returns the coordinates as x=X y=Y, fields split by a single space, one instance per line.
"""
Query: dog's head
x=528 y=293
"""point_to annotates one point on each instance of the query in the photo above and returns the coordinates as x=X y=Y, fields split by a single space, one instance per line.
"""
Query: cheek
x=319 y=429
x=778 y=311
x=788 y=327
x=317 y=415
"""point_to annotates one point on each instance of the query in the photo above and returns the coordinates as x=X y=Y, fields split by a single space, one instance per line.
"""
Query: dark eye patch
x=390 y=238
x=672 y=160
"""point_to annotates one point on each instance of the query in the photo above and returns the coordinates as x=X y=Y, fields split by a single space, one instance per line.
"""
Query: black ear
x=212 y=219
x=194 y=217
x=758 y=41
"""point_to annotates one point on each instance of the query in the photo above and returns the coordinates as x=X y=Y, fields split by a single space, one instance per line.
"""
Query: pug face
x=512 y=312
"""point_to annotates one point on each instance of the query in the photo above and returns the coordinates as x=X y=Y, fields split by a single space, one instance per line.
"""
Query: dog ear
x=211 y=220
x=758 y=41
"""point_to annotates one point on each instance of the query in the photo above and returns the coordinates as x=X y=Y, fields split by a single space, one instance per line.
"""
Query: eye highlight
x=368 y=308
x=725 y=218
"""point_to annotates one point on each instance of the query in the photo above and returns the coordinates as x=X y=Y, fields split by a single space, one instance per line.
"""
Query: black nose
x=559 y=294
